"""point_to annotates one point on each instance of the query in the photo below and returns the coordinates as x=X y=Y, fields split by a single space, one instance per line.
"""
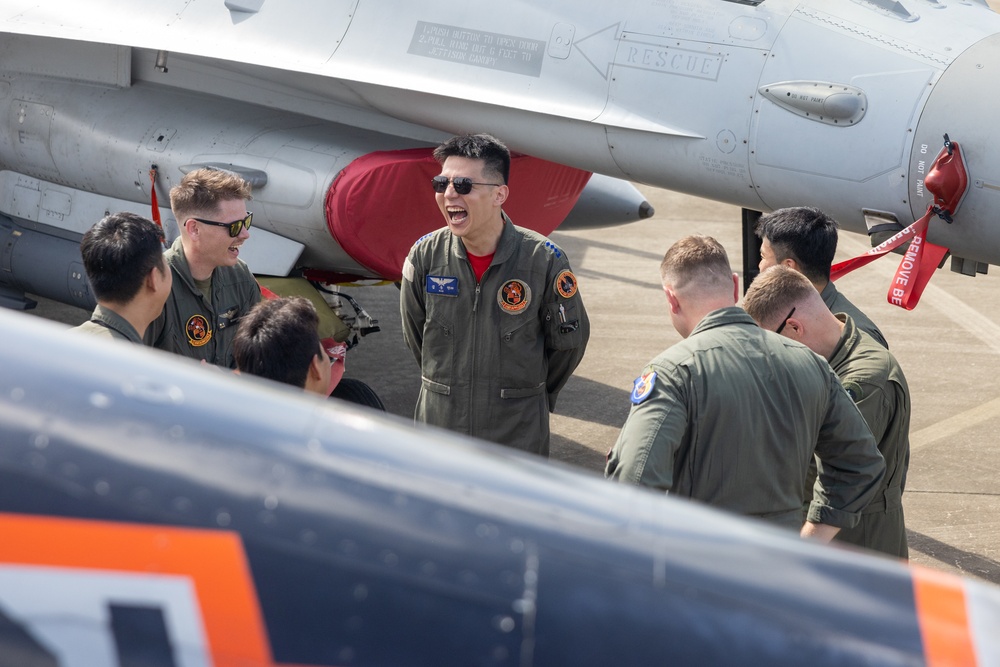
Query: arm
x=653 y=433
x=411 y=307
x=850 y=467
x=819 y=531
x=567 y=330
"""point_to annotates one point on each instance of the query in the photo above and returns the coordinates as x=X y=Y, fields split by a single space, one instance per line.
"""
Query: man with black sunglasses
x=490 y=311
x=871 y=376
x=732 y=415
x=212 y=287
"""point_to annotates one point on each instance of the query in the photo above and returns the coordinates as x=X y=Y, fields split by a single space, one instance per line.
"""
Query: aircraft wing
x=332 y=107
x=153 y=511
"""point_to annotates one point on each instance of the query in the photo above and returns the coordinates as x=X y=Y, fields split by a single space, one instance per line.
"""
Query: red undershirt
x=479 y=264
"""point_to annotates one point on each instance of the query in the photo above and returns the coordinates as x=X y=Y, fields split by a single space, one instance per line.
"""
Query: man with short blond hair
x=782 y=298
x=213 y=288
x=730 y=415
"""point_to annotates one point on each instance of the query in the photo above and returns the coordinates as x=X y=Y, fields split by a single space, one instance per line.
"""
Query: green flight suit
x=732 y=417
x=838 y=303
x=493 y=355
x=106 y=323
x=192 y=326
x=873 y=378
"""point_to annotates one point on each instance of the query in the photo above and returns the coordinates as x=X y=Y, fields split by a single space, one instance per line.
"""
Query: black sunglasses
x=785 y=321
x=235 y=227
x=463 y=185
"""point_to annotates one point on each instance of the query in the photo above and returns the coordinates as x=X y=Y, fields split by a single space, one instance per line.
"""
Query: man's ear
x=672 y=300
x=314 y=367
x=791 y=263
x=736 y=289
x=191 y=227
x=501 y=195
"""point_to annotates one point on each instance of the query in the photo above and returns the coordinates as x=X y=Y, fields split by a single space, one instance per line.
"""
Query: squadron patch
x=643 y=387
x=514 y=296
x=565 y=284
x=197 y=330
x=854 y=390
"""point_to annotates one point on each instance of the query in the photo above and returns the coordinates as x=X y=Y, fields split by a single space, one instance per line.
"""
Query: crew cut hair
x=696 y=261
x=278 y=339
x=485 y=147
x=804 y=234
x=118 y=253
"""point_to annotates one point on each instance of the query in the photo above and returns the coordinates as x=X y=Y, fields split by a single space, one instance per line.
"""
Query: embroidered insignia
x=854 y=390
x=565 y=284
x=514 y=296
x=228 y=317
x=197 y=330
x=442 y=285
x=643 y=387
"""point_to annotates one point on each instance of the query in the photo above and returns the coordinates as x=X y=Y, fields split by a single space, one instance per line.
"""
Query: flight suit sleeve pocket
x=436 y=387
x=564 y=325
x=522 y=393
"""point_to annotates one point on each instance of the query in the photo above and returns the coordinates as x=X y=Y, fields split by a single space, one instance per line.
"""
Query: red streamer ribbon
x=915 y=269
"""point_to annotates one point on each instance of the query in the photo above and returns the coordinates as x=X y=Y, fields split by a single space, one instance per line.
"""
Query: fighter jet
x=156 y=513
x=331 y=108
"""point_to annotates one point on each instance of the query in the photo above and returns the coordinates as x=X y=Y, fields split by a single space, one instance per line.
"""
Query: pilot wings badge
x=442 y=285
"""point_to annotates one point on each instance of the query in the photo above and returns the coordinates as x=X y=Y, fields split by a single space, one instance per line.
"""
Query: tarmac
x=948 y=347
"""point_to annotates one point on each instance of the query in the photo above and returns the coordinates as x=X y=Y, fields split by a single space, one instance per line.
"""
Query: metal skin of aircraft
x=330 y=108
x=153 y=513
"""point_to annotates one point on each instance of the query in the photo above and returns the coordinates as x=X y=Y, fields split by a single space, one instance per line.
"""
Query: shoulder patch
x=854 y=390
x=423 y=238
x=643 y=387
x=408 y=270
x=565 y=284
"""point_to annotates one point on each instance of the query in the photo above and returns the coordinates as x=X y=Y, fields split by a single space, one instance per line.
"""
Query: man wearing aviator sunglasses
x=490 y=311
x=212 y=286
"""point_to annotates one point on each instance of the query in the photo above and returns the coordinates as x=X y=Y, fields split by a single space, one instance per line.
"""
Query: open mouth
x=457 y=215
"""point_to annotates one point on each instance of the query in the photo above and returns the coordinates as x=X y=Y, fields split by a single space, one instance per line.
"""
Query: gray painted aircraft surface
x=155 y=513
x=329 y=109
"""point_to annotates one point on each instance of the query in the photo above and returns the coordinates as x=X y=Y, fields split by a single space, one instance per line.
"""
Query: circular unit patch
x=197 y=330
x=566 y=284
x=514 y=296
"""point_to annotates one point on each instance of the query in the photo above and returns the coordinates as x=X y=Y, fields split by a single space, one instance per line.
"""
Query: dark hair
x=804 y=234
x=278 y=339
x=118 y=253
x=483 y=147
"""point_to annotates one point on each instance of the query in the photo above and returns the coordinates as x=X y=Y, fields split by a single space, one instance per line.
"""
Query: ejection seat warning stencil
x=492 y=50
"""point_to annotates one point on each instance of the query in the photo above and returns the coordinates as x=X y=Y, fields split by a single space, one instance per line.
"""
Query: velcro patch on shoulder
x=643 y=387
x=565 y=284
x=854 y=390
